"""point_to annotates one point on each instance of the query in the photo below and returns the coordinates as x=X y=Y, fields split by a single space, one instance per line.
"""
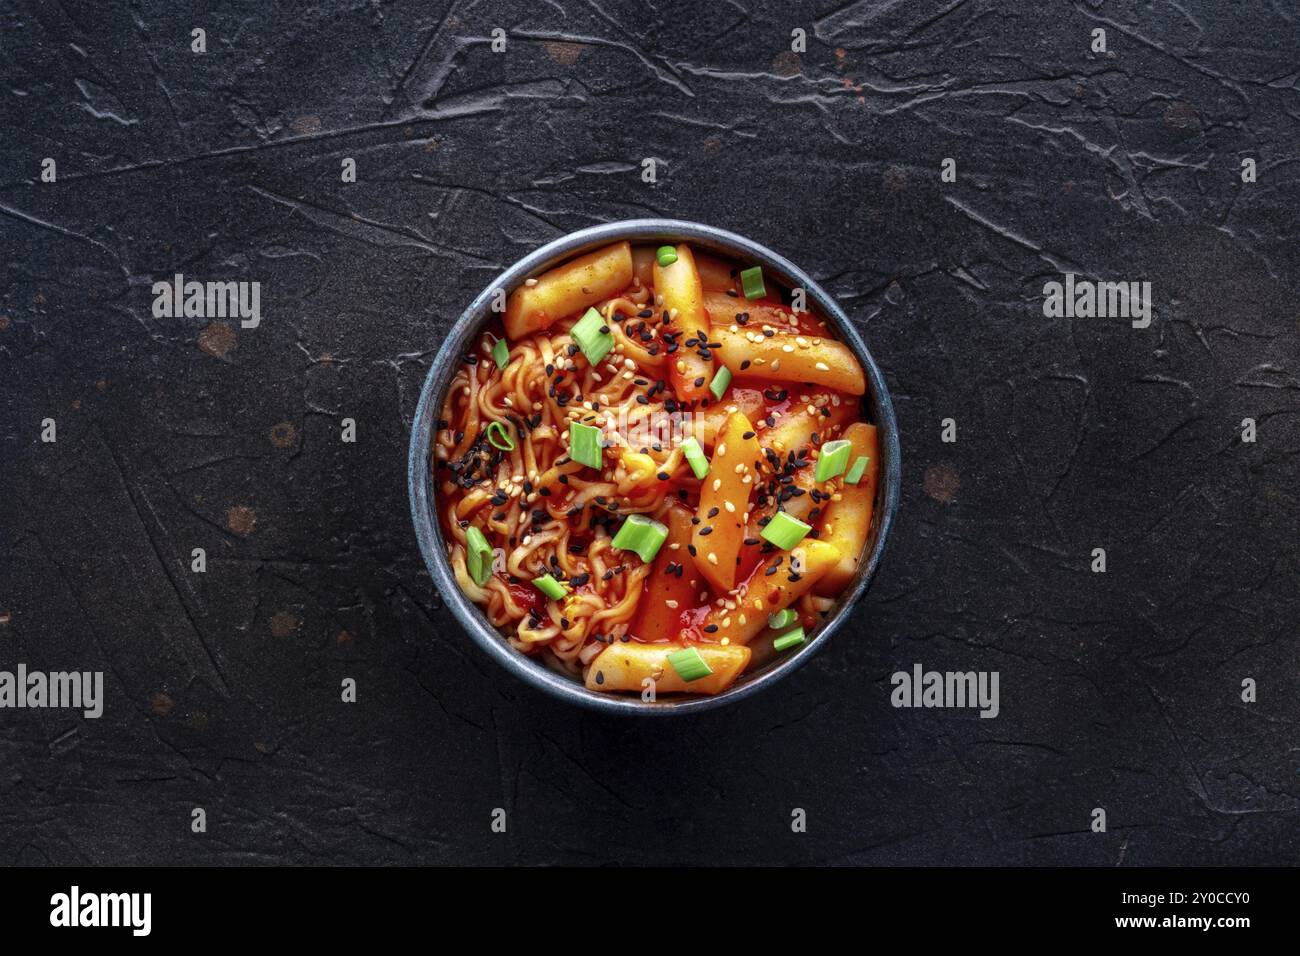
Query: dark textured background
x=1119 y=690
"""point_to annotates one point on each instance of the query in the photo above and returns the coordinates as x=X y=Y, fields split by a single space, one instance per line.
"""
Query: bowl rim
x=429 y=531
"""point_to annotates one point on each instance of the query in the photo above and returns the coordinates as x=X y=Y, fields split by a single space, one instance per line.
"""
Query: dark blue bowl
x=461 y=338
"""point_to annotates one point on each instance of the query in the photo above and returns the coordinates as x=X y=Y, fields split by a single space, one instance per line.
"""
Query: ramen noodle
x=654 y=473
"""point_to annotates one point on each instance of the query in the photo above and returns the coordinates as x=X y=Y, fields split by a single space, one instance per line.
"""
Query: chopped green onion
x=499 y=437
x=478 y=556
x=695 y=456
x=689 y=665
x=594 y=343
x=720 y=382
x=782 y=619
x=785 y=532
x=552 y=588
x=666 y=255
x=751 y=280
x=856 y=471
x=501 y=353
x=834 y=458
x=584 y=445
x=643 y=535
x=787 y=641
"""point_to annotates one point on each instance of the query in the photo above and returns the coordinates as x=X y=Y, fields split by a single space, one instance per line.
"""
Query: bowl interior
x=460 y=340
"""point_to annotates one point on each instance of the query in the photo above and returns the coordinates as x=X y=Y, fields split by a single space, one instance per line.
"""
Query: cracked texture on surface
x=1118 y=690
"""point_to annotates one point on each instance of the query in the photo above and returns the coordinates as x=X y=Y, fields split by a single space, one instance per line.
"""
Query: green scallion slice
x=478 y=556
x=643 y=535
x=666 y=255
x=594 y=343
x=689 y=665
x=552 y=588
x=787 y=641
x=501 y=353
x=695 y=456
x=584 y=445
x=720 y=382
x=751 y=280
x=834 y=458
x=857 y=470
x=784 y=531
x=782 y=619
x=498 y=436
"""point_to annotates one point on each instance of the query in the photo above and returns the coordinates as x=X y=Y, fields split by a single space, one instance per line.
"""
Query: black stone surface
x=1119 y=690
